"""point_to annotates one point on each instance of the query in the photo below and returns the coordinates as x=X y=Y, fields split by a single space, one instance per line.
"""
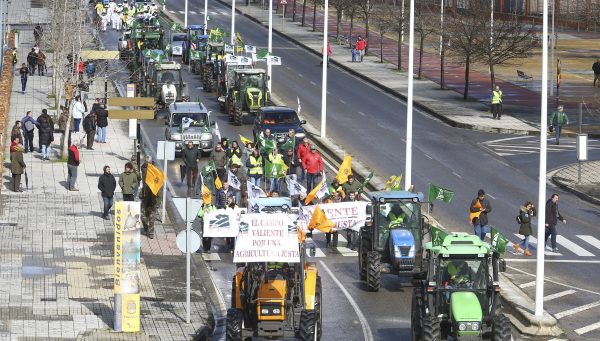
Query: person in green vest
x=497 y=102
x=396 y=216
x=558 y=119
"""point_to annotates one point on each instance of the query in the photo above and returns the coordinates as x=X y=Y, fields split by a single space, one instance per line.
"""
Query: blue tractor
x=393 y=237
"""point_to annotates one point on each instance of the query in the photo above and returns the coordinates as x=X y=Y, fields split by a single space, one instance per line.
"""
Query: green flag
x=366 y=182
x=175 y=26
x=272 y=170
x=498 y=241
x=439 y=193
x=437 y=236
x=209 y=169
x=262 y=53
x=289 y=144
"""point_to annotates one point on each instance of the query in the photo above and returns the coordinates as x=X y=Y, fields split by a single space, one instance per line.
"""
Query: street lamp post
x=185 y=9
x=270 y=47
x=232 y=22
x=205 y=16
x=324 y=80
x=539 y=279
x=552 y=47
x=442 y=43
x=409 y=102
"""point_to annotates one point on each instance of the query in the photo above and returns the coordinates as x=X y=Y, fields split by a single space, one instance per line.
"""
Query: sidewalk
x=585 y=184
x=57 y=251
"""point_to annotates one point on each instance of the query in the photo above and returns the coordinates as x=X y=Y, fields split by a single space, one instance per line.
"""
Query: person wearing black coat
x=32 y=58
x=107 y=185
x=46 y=133
x=552 y=217
x=101 y=122
x=89 y=126
x=526 y=213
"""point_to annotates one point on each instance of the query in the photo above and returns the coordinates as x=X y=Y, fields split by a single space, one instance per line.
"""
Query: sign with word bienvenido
x=127 y=266
x=345 y=215
x=265 y=237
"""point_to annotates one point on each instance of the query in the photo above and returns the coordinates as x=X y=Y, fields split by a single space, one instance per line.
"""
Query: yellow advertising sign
x=127 y=313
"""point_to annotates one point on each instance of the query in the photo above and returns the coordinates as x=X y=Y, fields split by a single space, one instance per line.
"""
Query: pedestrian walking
x=15 y=132
x=28 y=123
x=45 y=133
x=32 y=61
x=191 y=156
x=255 y=167
x=17 y=165
x=128 y=181
x=90 y=70
x=101 y=121
x=596 y=69
x=552 y=217
x=38 y=33
x=479 y=209
x=361 y=47
x=149 y=205
x=219 y=157
x=558 y=119
x=83 y=88
x=222 y=194
x=313 y=166
x=272 y=176
x=15 y=60
x=73 y=162
x=24 y=72
x=77 y=112
x=526 y=212
x=234 y=154
x=69 y=92
x=107 y=185
x=89 y=126
x=353 y=53
x=329 y=53
x=352 y=186
x=293 y=163
x=303 y=150
x=41 y=63
x=497 y=102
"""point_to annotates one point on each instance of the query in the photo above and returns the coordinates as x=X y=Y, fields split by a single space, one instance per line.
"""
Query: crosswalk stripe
x=587 y=329
x=590 y=240
x=193 y=12
x=576 y=310
x=346 y=251
x=211 y=256
x=559 y=294
x=578 y=250
x=181 y=12
x=527 y=285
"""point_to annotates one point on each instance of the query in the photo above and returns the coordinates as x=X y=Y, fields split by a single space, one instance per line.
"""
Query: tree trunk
x=420 y=55
x=351 y=28
x=381 y=47
x=314 y=17
x=337 y=24
x=367 y=33
x=492 y=76
x=442 y=55
x=303 y=11
x=294 y=12
x=467 y=65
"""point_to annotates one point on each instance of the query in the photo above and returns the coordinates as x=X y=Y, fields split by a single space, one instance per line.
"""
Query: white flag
x=233 y=180
x=324 y=190
x=293 y=186
x=186 y=122
x=299 y=107
x=254 y=192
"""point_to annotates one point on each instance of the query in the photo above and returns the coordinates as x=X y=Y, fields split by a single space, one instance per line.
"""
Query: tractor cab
x=249 y=94
x=160 y=74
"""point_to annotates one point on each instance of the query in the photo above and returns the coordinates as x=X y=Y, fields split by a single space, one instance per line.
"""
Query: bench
x=523 y=75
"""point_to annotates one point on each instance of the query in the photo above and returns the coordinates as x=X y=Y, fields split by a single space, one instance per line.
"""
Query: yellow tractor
x=274 y=300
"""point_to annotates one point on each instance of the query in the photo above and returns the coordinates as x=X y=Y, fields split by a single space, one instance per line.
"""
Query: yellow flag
x=319 y=221
x=345 y=169
x=218 y=183
x=206 y=196
x=313 y=193
x=154 y=178
x=244 y=140
x=394 y=183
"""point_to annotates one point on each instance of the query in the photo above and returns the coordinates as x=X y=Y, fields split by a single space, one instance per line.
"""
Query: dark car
x=279 y=120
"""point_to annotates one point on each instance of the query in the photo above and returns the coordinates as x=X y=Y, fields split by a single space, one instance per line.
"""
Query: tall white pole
x=185 y=9
x=187 y=258
x=491 y=22
x=233 y=23
x=402 y=28
x=164 y=198
x=541 y=212
x=205 y=16
x=409 y=102
x=441 y=25
x=553 y=37
x=324 y=80
x=270 y=47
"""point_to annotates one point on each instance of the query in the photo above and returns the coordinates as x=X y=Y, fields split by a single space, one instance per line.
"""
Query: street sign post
x=165 y=151
x=188 y=209
x=582 y=153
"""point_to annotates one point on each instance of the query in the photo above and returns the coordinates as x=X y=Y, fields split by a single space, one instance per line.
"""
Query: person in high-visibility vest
x=255 y=167
x=497 y=102
x=396 y=216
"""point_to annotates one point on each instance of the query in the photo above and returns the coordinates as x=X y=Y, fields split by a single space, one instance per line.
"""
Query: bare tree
x=315 y=4
x=340 y=6
x=384 y=19
x=366 y=9
x=399 y=26
x=351 y=12
x=303 y=12
x=426 y=23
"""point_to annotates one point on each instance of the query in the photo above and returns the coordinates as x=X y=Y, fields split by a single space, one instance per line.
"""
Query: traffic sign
x=192 y=206
x=165 y=150
x=182 y=240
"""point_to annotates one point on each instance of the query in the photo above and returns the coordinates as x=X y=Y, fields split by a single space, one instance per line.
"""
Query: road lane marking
x=569 y=245
x=313 y=83
x=590 y=240
x=556 y=282
x=559 y=295
x=429 y=157
x=457 y=175
x=491 y=196
x=361 y=317
x=576 y=310
x=587 y=329
x=508 y=139
x=300 y=75
x=181 y=12
x=172 y=12
x=530 y=260
x=527 y=285
x=193 y=12
x=342 y=101
x=361 y=113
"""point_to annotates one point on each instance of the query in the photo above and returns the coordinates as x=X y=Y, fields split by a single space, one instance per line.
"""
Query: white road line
x=590 y=240
x=361 y=317
x=576 y=310
x=346 y=252
x=491 y=196
x=532 y=260
x=587 y=329
x=532 y=147
x=193 y=12
x=211 y=256
x=300 y=75
x=288 y=68
x=559 y=295
x=429 y=157
x=527 y=285
x=172 y=12
x=313 y=83
x=342 y=101
x=578 y=250
x=556 y=282
x=507 y=139
x=361 y=113
x=181 y=12
x=457 y=175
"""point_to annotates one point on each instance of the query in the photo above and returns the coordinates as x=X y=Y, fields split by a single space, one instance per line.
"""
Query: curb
x=578 y=193
x=522 y=318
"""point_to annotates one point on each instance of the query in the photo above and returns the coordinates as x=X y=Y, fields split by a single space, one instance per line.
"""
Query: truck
x=392 y=239
x=460 y=295
x=189 y=121
x=247 y=95
x=159 y=74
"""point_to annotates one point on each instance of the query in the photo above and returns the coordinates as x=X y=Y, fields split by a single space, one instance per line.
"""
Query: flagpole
x=270 y=47
x=409 y=106
x=205 y=16
x=185 y=14
x=232 y=23
x=324 y=76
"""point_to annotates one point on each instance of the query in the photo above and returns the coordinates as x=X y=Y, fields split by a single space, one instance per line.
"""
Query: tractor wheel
x=307 y=330
x=373 y=270
x=415 y=316
x=501 y=328
x=234 y=325
x=318 y=307
x=363 y=248
x=237 y=114
x=432 y=330
x=233 y=297
x=210 y=84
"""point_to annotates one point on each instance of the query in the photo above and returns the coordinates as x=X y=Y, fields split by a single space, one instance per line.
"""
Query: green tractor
x=460 y=298
x=210 y=68
x=225 y=77
x=248 y=95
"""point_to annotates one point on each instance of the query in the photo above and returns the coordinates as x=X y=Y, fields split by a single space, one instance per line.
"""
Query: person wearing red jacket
x=329 y=53
x=303 y=149
x=361 y=46
x=313 y=166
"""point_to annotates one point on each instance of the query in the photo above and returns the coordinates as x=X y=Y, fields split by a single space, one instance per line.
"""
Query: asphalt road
x=371 y=125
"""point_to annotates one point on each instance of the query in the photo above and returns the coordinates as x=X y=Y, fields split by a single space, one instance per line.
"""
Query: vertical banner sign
x=127 y=266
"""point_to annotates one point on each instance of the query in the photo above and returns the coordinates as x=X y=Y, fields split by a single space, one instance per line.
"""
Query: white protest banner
x=222 y=223
x=345 y=215
x=267 y=238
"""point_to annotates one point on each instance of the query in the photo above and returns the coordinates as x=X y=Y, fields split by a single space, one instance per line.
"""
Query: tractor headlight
x=276 y=311
x=462 y=326
x=397 y=252
x=411 y=253
x=475 y=326
x=206 y=136
x=300 y=135
x=264 y=311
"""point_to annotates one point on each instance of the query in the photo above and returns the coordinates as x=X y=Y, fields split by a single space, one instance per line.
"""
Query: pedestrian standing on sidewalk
x=107 y=186
x=78 y=111
x=596 y=68
x=32 y=61
x=69 y=90
x=552 y=217
x=24 y=72
x=361 y=46
x=497 y=102
x=17 y=165
x=41 y=63
x=558 y=119
x=128 y=181
x=101 y=122
x=15 y=132
x=479 y=209
x=89 y=126
x=45 y=133
x=28 y=123
x=526 y=212
x=354 y=53
x=72 y=165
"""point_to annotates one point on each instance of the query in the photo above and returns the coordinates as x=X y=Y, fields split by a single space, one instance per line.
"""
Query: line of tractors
x=456 y=291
